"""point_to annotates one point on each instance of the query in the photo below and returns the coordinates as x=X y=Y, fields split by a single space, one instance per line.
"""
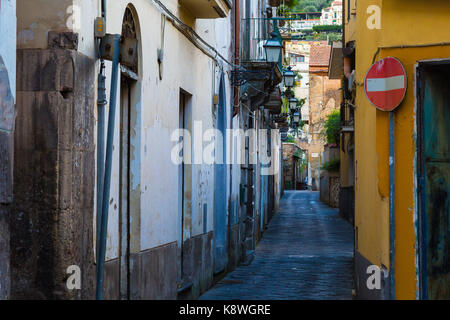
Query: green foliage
x=322 y=36
x=283 y=10
x=290 y=138
x=334 y=36
x=327 y=28
x=301 y=124
x=301 y=102
x=332 y=165
x=310 y=9
x=291 y=3
x=310 y=5
x=333 y=127
x=307 y=31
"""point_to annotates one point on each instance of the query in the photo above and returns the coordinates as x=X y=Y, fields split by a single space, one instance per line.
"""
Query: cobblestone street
x=306 y=253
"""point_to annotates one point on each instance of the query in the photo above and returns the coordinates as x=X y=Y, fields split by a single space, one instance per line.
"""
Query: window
x=297 y=58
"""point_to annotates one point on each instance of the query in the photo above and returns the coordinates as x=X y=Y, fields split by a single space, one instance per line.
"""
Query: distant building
x=298 y=54
x=301 y=25
x=324 y=97
x=332 y=15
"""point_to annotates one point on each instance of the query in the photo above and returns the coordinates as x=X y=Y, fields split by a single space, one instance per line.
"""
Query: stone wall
x=329 y=188
x=51 y=217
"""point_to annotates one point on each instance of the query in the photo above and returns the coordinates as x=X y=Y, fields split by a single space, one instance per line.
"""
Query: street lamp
x=273 y=49
x=296 y=116
x=289 y=77
x=293 y=103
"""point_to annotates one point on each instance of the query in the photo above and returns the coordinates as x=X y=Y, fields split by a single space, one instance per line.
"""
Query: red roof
x=319 y=55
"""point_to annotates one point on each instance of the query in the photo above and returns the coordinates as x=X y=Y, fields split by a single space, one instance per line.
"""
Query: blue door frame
x=220 y=190
x=433 y=179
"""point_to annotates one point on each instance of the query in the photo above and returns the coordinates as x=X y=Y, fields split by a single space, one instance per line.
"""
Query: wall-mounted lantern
x=289 y=77
x=296 y=117
x=293 y=103
x=273 y=49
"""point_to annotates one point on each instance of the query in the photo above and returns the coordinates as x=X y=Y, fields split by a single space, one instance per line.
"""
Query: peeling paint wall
x=154 y=176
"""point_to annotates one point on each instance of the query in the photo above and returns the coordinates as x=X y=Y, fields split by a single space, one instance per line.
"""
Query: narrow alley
x=198 y=150
x=305 y=253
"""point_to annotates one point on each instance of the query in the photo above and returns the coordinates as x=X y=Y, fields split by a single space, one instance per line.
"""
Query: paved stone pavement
x=306 y=253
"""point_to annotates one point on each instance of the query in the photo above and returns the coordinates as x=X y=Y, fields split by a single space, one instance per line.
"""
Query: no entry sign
x=385 y=84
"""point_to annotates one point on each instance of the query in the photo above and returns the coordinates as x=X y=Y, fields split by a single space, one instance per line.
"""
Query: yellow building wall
x=371 y=208
x=413 y=23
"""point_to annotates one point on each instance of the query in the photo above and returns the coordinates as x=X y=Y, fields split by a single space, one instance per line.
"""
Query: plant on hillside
x=327 y=28
x=309 y=5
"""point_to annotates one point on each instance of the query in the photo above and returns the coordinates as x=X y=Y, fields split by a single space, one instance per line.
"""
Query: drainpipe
x=392 y=203
x=101 y=103
x=108 y=165
x=237 y=48
x=104 y=9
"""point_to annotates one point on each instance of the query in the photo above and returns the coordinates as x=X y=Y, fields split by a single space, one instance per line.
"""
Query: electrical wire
x=190 y=33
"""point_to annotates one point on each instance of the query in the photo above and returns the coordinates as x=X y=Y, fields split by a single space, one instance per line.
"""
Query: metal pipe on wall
x=108 y=168
x=392 y=203
x=103 y=5
x=237 y=48
x=101 y=103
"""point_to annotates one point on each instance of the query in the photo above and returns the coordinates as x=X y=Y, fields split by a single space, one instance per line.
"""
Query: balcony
x=261 y=77
x=274 y=104
x=207 y=9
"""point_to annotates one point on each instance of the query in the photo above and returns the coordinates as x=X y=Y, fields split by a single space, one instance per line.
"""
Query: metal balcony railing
x=256 y=31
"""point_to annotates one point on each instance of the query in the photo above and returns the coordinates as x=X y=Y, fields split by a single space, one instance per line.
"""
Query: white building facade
x=332 y=15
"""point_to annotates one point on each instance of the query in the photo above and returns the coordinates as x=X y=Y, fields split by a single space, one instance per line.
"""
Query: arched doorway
x=129 y=163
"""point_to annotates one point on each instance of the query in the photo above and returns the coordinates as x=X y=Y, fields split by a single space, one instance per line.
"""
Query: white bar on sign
x=386 y=84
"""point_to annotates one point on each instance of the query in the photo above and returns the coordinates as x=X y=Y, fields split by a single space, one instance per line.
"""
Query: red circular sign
x=385 y=84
